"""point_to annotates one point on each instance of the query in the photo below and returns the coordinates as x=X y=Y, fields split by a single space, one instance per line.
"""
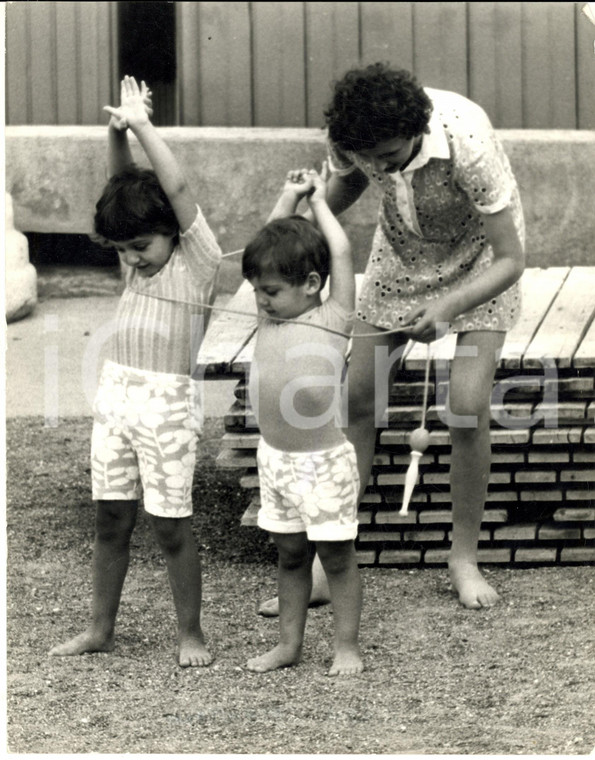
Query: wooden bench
x=540 y=507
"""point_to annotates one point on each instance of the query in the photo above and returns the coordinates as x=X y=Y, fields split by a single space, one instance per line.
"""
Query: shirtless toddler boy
x=308 y=472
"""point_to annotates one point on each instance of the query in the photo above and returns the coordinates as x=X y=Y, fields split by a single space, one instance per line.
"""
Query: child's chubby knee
x=294 y=550
x=171 y=532
x=335 y=556
x=114 y=519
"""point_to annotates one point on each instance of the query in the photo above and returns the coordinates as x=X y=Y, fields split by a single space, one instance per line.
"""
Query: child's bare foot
x=270 y=608
x=347 y=662
x=87 y=641
x=281 y=656
x=473 y=589
x=193 y=653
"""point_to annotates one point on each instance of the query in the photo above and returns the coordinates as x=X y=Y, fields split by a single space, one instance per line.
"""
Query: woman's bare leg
x=319 y=595
x=471 y=383
x=372 y=367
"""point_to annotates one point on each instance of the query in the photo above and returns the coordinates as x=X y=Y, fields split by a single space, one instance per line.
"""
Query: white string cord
x=278 y=319
x=232 y=253
x=424 y=407
x=252 y=315
x=257 y=316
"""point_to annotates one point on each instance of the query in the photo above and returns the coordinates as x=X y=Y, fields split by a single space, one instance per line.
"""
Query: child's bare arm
x=297 y=185
x=134 y=113
x=342 y=278
x=118 y=148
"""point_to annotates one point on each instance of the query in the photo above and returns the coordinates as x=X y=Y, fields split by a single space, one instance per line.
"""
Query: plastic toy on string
x=419 y=440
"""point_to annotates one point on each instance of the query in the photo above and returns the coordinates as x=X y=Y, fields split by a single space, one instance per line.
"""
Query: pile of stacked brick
x=540 y=507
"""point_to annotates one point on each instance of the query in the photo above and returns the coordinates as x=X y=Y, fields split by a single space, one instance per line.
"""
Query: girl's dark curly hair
x=376 y=104
x=291 y=248
x=132 y=204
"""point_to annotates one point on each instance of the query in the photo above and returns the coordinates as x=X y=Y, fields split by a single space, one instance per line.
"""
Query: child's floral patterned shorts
x=145 y=434
x=309 y=491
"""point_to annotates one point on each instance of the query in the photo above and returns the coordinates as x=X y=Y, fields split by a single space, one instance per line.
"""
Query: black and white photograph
x=299 y=378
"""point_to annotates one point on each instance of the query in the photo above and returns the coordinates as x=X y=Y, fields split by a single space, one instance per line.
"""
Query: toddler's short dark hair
x=291 y=248
x=132 y=204
x=375 y=104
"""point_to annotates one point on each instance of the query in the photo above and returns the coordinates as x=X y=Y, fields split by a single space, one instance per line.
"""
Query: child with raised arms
x=307 y=469
x=147 y=411
x=447 y=255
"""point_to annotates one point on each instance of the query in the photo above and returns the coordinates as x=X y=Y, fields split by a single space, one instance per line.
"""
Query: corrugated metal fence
x=529 y=65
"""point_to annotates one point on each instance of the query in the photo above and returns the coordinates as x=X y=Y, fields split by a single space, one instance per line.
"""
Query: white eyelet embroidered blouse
x=430 y=237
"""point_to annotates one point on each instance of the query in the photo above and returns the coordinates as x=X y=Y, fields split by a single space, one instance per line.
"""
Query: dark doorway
x=147 y=50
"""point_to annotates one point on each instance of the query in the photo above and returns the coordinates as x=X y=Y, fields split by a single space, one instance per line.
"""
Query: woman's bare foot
x=270 y=608
x=347 y=662
x=473 y=589
x=193 y=653
x=85 y=642
x=281 y=656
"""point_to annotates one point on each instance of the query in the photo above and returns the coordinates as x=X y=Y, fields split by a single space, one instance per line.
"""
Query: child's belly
x=299 y=419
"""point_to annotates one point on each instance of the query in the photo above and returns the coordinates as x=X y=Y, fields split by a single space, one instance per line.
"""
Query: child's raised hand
x=136 y=105
x=318 y=183
x=298 y=183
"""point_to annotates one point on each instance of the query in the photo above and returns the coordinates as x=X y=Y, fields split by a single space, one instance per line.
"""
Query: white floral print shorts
x=145 y=434
x=312 y=492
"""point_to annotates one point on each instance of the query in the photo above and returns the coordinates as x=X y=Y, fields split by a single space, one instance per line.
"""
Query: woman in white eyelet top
x=430 y=236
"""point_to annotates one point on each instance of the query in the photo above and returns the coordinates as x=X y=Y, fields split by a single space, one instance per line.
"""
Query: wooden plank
x=235 y=460
x=495 y=61
x=548 y=65
x=440 y=45
x=18 y=80
x=483 y=47
x=560 y=334
x=509 y=60
x=67 y=64
x=240 y=440
x=91 y=111
x=187 y=55
x=225 y=63
x=228 y=332
x=250 y=516
x=562 y=51
x=387 y=33
x=585 y=354
x=585 y=70
x=440 y=350
x=229 y=343
x=42 y=53
x=332 y=47
x=539 y=287
x=495 y=56
x=279 y=64
x=243 y=360
x=106 y=63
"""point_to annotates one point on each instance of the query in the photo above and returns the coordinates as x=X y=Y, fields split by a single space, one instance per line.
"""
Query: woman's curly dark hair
x=132 y=204
x=376 y=104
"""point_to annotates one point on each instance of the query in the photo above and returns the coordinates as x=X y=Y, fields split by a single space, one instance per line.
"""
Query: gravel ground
x=517 y=679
